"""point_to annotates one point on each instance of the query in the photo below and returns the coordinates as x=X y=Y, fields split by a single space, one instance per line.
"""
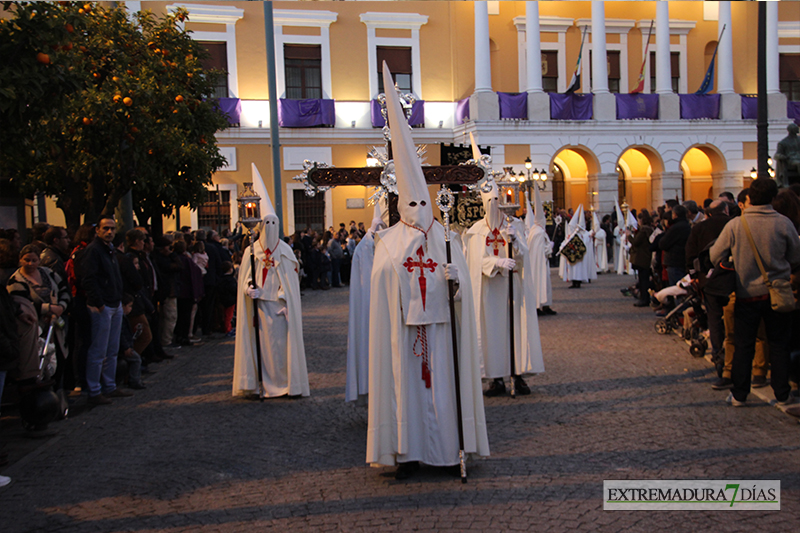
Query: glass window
x=217 y=60
x=789 y=68
x=399 y=61
x=675 y=70
x=303 y=69
x=550 y=71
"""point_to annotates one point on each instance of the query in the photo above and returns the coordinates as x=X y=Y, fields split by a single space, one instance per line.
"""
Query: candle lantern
x=249 y=207
x=509 y=189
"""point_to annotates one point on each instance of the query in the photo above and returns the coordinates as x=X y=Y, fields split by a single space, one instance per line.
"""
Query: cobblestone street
x=617 y=401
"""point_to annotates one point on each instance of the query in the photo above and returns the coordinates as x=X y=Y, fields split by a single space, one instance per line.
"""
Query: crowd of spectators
x=709 y=250
x=112 y=306
x=325 y=256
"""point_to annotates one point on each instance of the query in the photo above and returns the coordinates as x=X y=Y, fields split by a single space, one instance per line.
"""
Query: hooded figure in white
x=584 y=269
x=622 y=243
x=486 y=246
x=540 y=248
x=412 y=403
x=280 y=324
x=357 y=383
x=600 y=255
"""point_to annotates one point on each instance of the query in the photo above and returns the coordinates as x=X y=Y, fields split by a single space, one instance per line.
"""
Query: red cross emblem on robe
x=495 y=240
x=268 y=263
x=410 y=264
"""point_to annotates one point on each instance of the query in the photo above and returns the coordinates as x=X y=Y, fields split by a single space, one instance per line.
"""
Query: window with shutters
x=675 y=69
x=550 y=71
x=303 y=70
x=398 y=60
x=612 y=67
x=789 y=68
x=309 y=211
x=215 y=212
x=217 y=60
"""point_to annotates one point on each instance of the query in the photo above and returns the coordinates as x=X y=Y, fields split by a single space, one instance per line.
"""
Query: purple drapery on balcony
x=417 y=114
x=462 y=111
x=694 y=106
x=305 y=113
x=749 y=107
x=633 y=106
x=570 y=106
x=793 y=111
x=231 y=108
x=513 y=105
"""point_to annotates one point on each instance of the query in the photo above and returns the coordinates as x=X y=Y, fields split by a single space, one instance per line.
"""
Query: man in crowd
x=775 y=240
x=100 y=278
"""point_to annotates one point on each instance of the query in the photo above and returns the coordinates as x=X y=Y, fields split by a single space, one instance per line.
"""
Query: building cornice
x=209 y=13
x=304 y=18
x=398 y=21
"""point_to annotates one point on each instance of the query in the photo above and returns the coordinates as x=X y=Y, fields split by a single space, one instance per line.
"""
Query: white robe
x=539 y=250
x=407 y=420
x=624 y=265
x=357 y=383
x=490 y=293
x=600 y=254
x=283 y=357
x=584 y=269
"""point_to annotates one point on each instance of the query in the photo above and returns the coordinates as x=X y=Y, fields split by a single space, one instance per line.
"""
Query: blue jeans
x=101 y=360
x=2 y=384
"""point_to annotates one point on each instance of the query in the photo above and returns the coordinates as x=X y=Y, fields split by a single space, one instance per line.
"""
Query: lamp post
x=539 y=178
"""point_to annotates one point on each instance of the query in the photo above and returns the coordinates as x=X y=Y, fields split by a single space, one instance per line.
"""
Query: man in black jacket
x=673 y=243
x=101 y=279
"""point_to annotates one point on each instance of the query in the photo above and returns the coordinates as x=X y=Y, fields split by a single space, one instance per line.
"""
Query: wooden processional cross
x=371 y=177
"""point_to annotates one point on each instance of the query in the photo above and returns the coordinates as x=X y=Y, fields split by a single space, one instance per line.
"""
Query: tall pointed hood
x=530 y=218
x=632 y=223
x=270 y=224
x=539 y=218
x=413 y=199
x=491 y=206
x=476 y=151
x=577 y=220
x=380 y=215
x=595 y=221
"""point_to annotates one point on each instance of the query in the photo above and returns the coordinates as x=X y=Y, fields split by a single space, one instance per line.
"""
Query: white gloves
x=451 y=272
x=512 y=232
x=506 y=263
x=253 y=292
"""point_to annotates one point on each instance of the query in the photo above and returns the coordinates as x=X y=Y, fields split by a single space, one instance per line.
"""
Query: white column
x=725 y=51
x=773 y=57
x=533 y=49
x=599 y=58
x=663 y=62
x=483 y=65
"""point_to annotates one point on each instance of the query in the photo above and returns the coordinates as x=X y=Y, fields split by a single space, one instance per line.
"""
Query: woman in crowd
x=641 y=257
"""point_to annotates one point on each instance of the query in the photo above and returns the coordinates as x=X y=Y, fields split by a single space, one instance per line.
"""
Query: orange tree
x=97 y=103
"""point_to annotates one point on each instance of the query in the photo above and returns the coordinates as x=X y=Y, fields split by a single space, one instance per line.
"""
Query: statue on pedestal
x=787 y=158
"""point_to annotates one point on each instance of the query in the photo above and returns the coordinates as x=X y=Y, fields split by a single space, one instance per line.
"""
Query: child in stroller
x=688 y=315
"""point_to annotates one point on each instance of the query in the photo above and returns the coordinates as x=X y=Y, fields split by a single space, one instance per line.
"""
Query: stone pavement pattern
x=617 y=401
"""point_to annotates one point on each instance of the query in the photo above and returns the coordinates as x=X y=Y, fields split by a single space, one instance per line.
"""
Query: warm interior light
x=528 y=163
x=753 y=173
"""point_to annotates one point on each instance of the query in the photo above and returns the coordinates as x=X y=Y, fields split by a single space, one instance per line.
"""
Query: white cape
x=583 y=270
x=490 y=293
x=600 y=253
x=357 y=383
x=283 y=356
x=539 y=250
x=623 y=246
x=407 y=421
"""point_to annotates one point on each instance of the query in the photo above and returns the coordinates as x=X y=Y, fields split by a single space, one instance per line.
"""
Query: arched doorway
x=635 y=167
x=574 y=166
x=699 y=164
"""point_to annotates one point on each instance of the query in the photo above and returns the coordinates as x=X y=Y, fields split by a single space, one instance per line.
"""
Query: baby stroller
x=688 y=316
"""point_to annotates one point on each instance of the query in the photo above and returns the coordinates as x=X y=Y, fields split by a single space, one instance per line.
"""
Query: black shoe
x=100 y=400
x=137 y=386
x=575 y=285
x=119 y=393
x=520 y=387
x=641 y=304
x=722 y=384
x=758 y=382
x=540 y=312
x=548 y=311
x=496 y=388
x=406 y=470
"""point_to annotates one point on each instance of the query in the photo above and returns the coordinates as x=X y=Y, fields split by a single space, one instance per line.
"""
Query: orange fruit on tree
x=134 y=130
x=68 y=46
x=69 y=28
x=43 y=58
x=128 y=101
x=96 y=75
x=189 y=74
x=114 y=78
x=117 y=98
x=179 y=98
x=81 y=11
x=87 y=7
x=87 y=121
x=130 y=72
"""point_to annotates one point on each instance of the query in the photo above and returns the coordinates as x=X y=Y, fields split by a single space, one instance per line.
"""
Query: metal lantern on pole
x=249 y=207
x=509 y=189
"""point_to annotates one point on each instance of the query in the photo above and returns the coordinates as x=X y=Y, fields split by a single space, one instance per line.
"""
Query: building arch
x=577 y=163
x=701 y=164
x=636 y=164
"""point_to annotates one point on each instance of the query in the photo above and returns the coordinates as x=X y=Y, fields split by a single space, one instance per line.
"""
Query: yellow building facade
x=477 y=52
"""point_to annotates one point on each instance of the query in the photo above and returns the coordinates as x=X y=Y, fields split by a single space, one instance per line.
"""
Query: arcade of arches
x=639 y=169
